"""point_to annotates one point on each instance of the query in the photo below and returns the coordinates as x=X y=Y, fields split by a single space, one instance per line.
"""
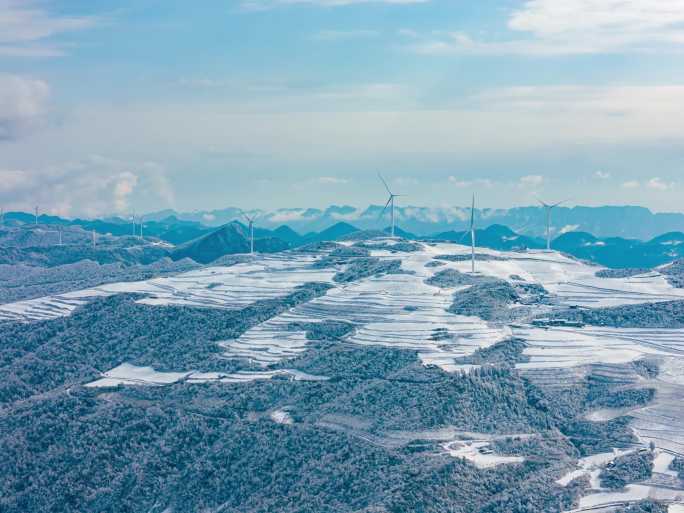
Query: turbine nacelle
x=549 y=208
x=390 y=204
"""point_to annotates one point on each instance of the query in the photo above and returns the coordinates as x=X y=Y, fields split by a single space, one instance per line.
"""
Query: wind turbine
x=549 y=207
x=472 y=235
x=141 y=227
x=390 y=202
x=36 y=213
x=250 y=221
x=133 y=219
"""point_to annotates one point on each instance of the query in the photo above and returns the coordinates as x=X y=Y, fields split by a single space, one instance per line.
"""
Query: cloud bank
x=23 y=105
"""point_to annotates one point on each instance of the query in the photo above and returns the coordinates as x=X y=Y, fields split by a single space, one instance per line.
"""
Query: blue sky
x=141 y=105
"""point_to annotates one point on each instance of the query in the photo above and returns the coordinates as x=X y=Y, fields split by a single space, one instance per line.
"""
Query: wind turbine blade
x=559 y=203
x=245 y=216
x=545 y=205
x=384 y=183
x=385 y=209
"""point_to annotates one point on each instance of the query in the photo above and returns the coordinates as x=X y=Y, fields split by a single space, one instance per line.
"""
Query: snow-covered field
x=573 y=282
x=607 y=501
x=378 y=307
x=402 y=311
x=591 y=467
x=479 y=453
x=127 y=374
x=234 y=287
x=270 y=276
x=664 y=486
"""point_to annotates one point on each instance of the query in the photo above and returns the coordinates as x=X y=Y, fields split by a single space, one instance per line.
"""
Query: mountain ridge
x=603 y=221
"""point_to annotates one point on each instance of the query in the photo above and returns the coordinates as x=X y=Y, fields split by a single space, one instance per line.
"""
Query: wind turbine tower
x=549 y=208
x=472 y=235
x=133 y=220
x=36 y=214
x=390 y=203
x=250 y=221
x=2 y=216
x=141 y=227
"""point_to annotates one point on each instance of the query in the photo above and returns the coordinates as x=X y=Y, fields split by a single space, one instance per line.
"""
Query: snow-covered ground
x=562 y=356
x=572 y=281
x=632 y=493
x=233 y=287
x=591 y=467
x=270 y=276
x=378 y=308
x=403 y=311
x=479 y=453
x=127 y=374
x=663 y=486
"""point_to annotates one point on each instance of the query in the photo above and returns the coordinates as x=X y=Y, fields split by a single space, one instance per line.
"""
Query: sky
x=142 y=105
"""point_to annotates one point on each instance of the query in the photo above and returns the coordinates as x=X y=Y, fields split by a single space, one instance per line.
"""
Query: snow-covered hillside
x=409 y=308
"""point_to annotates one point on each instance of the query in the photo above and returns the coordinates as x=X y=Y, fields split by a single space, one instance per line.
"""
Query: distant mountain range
x=204 y=244
x=615 y=252
x=628 y=221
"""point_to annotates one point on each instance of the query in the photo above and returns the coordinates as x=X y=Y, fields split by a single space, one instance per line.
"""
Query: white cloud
x=531 y=181
x=331 y=180
x=283 y=95
x=655 y=183
x=23 y=104
x=405 y=181
x=123 y=185
x=373 y=92
x=26 y=28
x=468 y=184
x=659 y=185
x=521 y=123
x=613 y=101
x=94 y=186
x=262 y=5
x=408 y=33
x=554 y=27
x=12 y=179
x=342 y=35
x=288 y=216
x=602 y=175
x=569 y=228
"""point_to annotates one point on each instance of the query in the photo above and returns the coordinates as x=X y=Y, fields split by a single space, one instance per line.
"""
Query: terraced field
x=234 y=287
x=402 y=310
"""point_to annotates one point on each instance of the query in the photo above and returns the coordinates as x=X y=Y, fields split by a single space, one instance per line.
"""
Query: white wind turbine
x=250 y=221
x=472 y=235
x=390 y=203
x=549 y=208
